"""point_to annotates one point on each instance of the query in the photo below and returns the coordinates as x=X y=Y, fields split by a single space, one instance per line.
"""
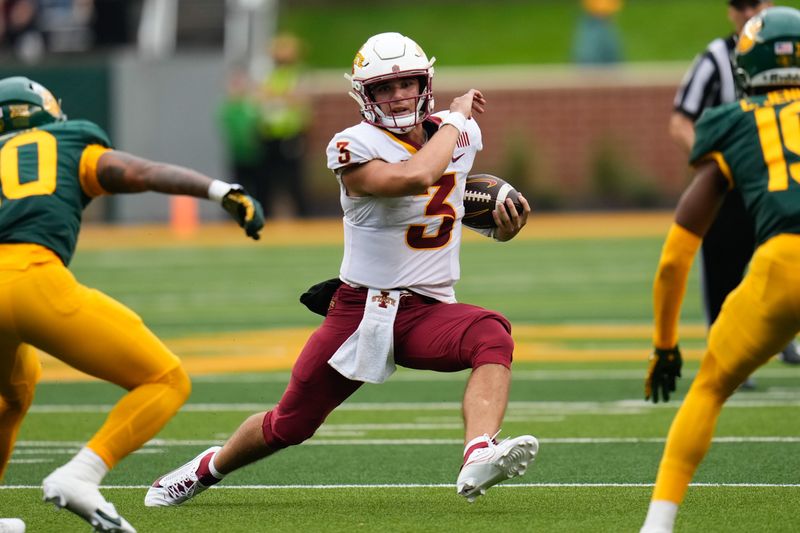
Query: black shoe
x=789 y=354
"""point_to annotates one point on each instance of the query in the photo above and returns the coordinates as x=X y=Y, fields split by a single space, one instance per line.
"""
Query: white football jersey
x=407 y=242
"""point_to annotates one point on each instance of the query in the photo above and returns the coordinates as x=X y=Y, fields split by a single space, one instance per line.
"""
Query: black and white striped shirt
x=710 y=81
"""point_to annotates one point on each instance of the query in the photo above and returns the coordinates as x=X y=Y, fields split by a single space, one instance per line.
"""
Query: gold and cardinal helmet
x=388 y=56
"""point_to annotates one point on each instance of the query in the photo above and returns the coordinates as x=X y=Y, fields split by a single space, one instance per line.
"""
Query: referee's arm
x=681 y=129
x=701 y=88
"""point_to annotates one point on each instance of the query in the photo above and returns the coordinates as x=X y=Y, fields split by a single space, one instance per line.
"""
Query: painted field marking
x=437 y=486
x=599 y=374
x=61 y=447
x=277 y=349
x=752 y=400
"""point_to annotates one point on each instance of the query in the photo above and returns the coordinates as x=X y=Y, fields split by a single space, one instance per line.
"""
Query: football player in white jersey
x=402 y=174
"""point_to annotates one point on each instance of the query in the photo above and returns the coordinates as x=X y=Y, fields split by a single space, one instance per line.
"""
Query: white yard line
x=778 y=398
x=438 y=485
x=61 y=447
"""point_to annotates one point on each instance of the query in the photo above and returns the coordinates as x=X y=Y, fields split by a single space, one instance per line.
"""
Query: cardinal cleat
x=84 y=500
x=181 y=484
x=490 y=465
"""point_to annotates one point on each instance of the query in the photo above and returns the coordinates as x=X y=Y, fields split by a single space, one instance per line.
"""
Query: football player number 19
x=771 y=127
x=44 y=182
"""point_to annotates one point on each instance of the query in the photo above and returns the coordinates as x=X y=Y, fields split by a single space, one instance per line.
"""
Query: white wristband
x=456 y=119
x=218 y=189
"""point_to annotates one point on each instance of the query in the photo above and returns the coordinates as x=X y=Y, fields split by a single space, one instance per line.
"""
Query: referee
x=729 y=243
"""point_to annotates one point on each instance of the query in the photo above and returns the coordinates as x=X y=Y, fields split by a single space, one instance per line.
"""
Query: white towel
x=368 y=354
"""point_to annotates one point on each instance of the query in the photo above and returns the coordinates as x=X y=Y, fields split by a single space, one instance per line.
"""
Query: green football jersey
x=41 y=199
x=756 y=142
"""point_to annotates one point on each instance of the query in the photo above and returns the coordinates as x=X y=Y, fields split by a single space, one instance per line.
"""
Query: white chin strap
x=402 y=124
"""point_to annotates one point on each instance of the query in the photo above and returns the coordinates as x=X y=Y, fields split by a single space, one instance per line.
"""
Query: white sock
x=660 y=516
x=212 y=467
x=87 y=465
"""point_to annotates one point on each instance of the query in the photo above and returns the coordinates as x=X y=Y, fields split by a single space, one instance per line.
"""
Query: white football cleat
x=179 y=485
x=12 y=525
x=486 y=467
x=84 y=499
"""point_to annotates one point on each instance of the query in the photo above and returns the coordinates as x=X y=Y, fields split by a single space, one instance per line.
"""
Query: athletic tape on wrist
x=457 y=119
x=218 y=189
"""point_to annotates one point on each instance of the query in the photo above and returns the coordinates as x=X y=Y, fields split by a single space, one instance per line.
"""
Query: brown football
x=482 y=194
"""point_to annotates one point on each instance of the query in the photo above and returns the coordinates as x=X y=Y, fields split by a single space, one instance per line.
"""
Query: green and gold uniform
x=48 y=179
x=756 y=144
x=48 y=175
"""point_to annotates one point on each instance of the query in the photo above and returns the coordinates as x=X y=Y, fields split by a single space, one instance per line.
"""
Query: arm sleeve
x=711 y=134
x=87 y=172
x=669 y=286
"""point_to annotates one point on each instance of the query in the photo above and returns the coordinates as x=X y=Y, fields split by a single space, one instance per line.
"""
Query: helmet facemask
x=385 y=57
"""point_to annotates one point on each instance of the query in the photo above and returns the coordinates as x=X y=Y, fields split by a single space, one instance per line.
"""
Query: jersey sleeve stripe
x=723 y=166
x=88 y=170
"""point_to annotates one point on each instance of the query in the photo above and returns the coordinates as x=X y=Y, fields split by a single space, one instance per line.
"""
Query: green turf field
x=388 y=458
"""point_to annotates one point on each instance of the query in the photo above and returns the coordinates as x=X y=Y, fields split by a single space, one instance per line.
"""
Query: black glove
x=665 y=366
x=245 y=210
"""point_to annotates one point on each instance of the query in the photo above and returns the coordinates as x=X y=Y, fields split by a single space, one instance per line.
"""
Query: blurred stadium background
x=588 y=143
x=152 y=72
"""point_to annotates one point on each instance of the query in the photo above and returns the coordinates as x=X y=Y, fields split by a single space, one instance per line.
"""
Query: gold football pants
x=757 y=320
x=43 y=306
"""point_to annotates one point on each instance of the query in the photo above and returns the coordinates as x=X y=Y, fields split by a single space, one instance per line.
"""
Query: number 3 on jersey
x=44 y=182
x=437 y=206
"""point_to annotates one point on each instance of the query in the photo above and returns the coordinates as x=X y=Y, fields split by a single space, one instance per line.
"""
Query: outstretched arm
x=121 y=172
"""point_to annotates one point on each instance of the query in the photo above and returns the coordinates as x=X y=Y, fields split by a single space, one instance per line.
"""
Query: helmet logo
x=50 y=104
x=359 y=61
x=747 y=39
x=395 y=68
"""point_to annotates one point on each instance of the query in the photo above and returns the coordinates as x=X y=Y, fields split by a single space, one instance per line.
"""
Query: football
x=482 y=194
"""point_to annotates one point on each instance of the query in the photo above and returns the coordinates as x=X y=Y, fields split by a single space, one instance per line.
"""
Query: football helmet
x=388 y=56
x=767 y=50
x=26 y=104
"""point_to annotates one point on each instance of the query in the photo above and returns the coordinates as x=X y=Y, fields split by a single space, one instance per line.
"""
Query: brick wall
x=549 y=127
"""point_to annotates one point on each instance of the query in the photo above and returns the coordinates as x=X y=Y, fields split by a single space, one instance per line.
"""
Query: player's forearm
x=427 y=166
x=119 y=172
x=406 y=178
x=670 y=284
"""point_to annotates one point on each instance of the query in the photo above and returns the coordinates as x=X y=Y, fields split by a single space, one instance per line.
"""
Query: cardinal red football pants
x=428 y=335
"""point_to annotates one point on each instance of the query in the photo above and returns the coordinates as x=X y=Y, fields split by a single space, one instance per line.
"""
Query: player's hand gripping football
x=245 y=210
x=664 y=368
x=509 y=222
